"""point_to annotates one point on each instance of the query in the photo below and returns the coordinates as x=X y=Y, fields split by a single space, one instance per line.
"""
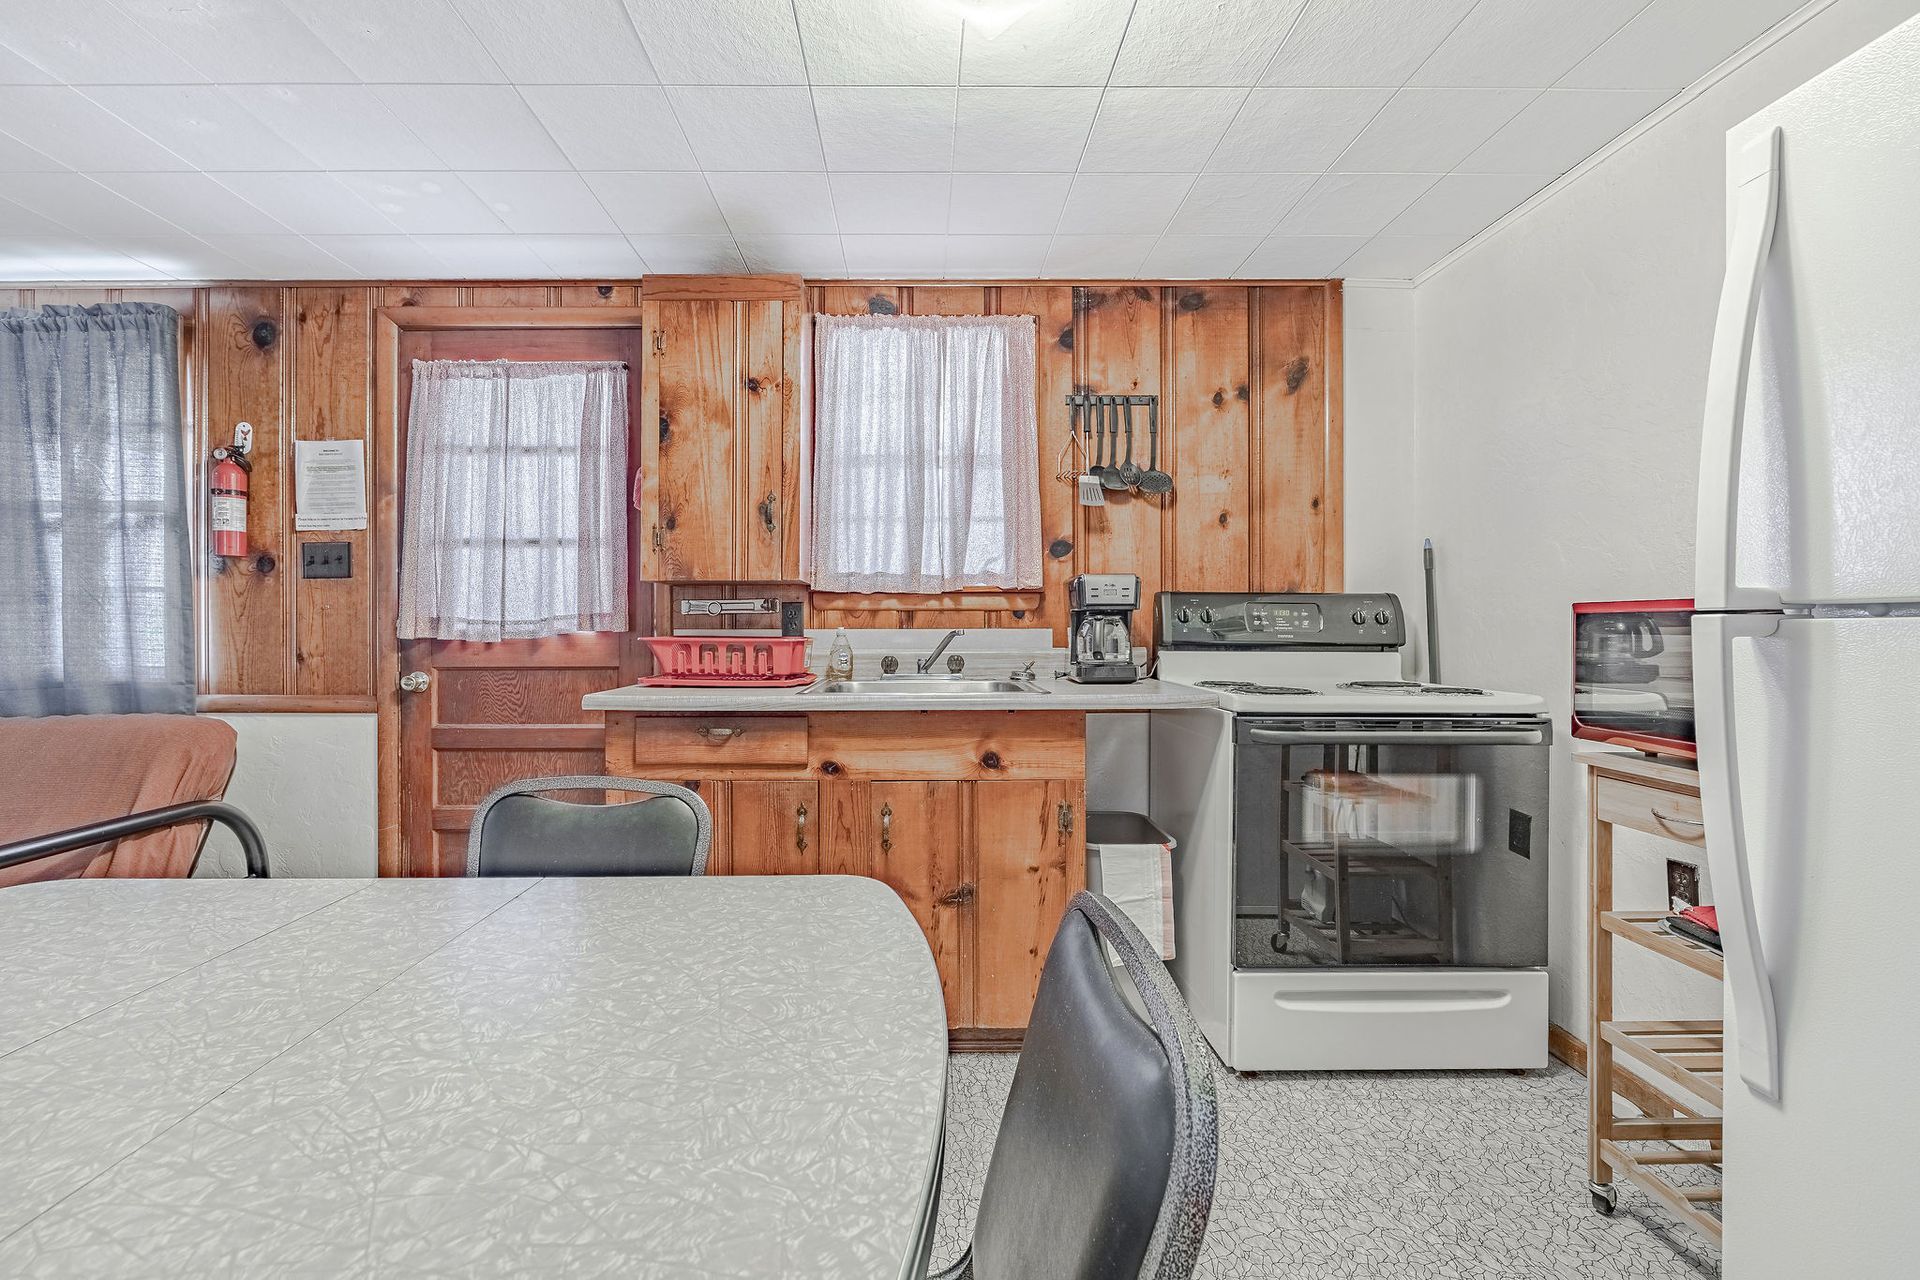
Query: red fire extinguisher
x=229 y=485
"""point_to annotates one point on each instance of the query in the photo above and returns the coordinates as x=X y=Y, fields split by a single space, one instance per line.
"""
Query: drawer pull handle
x=719 y=733
x=886 y=828
x=1671 y=821
x=800 y=828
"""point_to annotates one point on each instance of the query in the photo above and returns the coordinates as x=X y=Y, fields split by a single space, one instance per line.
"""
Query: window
x=515 y=523
x=926 y=455
x=95 y=611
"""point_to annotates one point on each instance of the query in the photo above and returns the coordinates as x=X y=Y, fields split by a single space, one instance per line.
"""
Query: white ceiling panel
x=1219 y=42
x=425 y=203
x=775 y=203
x=308 y=203
x=1560 y=128
x=659 y=203
x=1197 y=257
x=1352 y=43
x=75 y=202
x=691 y=255
x=18 y=220
x=201 y=125
x=869 y=128
x=612 y=126
x=337 y=126
x=894 y=255
x=475 y=126
x=1074 y=256
x=1353 y=203
x=575 y=42
x=1295 y=130
x=23 y=257
x=1522 y=44
x=541 y=203
x=192 y=200
x=1671 y=43
x=879 y=42
x=15 y=69
x=1122 y=204
x=1223 y=204
x=183 y=257
x=482 y=257
x=388 y=257
x=1062 y=42
x=896 y=203
x=1007 y=203
x=18 y=157
x=66 y=126
x=1041 y=130
x=730 y=42
x=238 y=41
x=400 y=41
x=77 y=260
x=1298 y=257
x=1461 y=203
x=813 y=255
x=1398 y=257
x=89 y=42
x=986 y=257
x=1158 y=130
x=749 y=128
x=600 y=255
x=1430 y=130
x=282 y=257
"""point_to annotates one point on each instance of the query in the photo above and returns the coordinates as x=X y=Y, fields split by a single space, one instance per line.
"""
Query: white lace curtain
x=926 y=474
x=515 y=524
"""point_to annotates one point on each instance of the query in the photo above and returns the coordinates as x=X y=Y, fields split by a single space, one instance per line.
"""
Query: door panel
x=919 y=847
x=1027 y=841
x=776 y=828
x=771 y=495
x=688 y=441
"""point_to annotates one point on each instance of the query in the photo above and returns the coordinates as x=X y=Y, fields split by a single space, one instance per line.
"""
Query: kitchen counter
x=1061 y=695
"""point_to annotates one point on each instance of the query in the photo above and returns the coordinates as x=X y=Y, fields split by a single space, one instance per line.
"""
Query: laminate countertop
x=1059 y=695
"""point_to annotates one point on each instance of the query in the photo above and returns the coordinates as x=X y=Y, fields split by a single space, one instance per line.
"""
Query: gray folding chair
x=518 y=832
x=1104 y=1164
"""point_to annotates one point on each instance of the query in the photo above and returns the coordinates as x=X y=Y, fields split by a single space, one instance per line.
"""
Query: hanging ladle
x=1153 y=479
x=1110 y=474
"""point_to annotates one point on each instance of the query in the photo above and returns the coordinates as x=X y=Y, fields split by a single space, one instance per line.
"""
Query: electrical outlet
x=1683 y=885
x=326 y=559
x=793 y=618
x=1520 y=833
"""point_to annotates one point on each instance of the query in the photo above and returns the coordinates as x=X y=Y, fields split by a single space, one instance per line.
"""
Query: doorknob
x=414 y=681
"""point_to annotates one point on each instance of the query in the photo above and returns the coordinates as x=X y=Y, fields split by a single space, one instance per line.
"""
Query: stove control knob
x=1383 y=617
x=1206 y=616
x=1359 y=617
x=1185 y=615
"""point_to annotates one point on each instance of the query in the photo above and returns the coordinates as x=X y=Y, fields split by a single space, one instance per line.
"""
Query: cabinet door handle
x=766 y=511
x=659 y=342
x=1672 y=820
x=886 y=828
x=659 y=539
x=1066 y=821
x=800 y=828
x=719 y=733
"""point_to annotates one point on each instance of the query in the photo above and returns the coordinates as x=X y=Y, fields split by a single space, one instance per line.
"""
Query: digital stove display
x=1282 y=616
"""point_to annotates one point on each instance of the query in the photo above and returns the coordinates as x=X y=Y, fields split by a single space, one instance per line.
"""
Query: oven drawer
x=1660 y=813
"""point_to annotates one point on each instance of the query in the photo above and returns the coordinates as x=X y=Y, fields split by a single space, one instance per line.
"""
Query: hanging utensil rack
x=1090 y=412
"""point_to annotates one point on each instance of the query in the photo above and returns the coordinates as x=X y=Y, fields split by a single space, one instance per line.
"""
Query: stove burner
x=1248 y=686
x=1410 y=687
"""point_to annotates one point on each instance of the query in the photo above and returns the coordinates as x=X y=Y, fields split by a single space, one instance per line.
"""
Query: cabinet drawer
x=719 y=742
x=1670 y=814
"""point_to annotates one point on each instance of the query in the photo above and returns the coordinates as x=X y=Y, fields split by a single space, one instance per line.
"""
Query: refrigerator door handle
x=1755 y=201
x=1749 y=985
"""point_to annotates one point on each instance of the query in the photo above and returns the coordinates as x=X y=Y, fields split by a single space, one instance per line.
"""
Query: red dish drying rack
x=715 y=661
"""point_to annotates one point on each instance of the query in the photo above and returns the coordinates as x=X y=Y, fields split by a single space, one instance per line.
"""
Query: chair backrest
x=518 y=832
x=1104 y=1164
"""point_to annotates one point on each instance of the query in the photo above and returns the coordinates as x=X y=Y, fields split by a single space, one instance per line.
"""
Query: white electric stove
x=1361 y=880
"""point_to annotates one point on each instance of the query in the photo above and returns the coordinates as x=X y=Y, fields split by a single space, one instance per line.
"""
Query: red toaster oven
x=1633 y=674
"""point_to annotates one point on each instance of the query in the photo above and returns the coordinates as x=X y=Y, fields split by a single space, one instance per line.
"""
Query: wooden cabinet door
x=1028 y=840
x=774 y=828
x=689 y=441
x=769 y=398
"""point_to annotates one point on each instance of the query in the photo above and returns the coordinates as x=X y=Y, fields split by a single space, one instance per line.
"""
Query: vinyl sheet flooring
x=1380 y=1176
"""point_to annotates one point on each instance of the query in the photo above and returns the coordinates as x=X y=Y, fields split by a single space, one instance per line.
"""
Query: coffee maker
x=1100 y=630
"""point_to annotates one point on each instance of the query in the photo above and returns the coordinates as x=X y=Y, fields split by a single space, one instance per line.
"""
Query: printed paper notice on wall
x=329 y=485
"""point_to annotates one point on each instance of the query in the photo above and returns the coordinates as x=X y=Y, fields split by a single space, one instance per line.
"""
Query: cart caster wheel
x=1278 y=942
x=1605 y=1199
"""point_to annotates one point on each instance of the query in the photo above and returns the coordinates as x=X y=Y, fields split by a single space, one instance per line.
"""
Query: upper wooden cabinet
x=722 y=396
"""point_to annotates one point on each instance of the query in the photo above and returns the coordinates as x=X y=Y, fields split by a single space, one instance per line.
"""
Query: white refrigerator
x=1807 y=672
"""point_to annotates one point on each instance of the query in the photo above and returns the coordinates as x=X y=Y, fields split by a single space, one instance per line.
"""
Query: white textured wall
x=309 y=784
x=1383 y=533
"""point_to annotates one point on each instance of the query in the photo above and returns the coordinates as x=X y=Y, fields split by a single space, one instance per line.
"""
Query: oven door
x=1378 y=842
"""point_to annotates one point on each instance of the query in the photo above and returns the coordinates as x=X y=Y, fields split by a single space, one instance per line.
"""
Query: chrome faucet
x=924 y=665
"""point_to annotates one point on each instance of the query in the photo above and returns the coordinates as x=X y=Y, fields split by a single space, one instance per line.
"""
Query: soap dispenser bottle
x=840 y=657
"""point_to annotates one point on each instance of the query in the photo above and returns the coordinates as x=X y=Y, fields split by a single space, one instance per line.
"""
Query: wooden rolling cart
x=1681 y=1060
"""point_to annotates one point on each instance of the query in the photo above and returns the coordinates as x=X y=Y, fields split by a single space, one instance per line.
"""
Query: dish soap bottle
x=840 y=657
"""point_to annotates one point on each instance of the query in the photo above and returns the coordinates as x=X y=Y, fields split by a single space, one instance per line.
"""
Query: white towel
x=1138 y=879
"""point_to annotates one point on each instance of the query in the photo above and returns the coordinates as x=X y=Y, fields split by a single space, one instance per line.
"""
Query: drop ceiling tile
x=905 y=203
x=18 y=220
x=77 y=203
x=1158 y=130
x=1430 y=130
x=692 y=255
x=535 y=203
x=475 y=126
x=659 y=203
x=1560 y=128
x=739 y=42
x=989 y=257
x=18 y=157
x=1671 y=43
x=611 y=126
x=587 y=255
x=239 y=41
x=282 y=257
x=390 y=257
x=879 y=42
x=193 y=202
x=1116 y=204
x=64 y=125
x=1397 y=257
x=90 y=42
x=1197 y=257
x=1059 y=42
x=1221 y=204
x=337 y=126
x=1095 y=257
x=1042 y=130
x=15 y=69
x=307 y=203
x=413 y=42
x=1353 y=204
x=202 y=125
x=1295 y=130
x=904 y=129
x=1464 y=204
x=183 y=257
x=749 y=128
x=1522 y=44
x=575 y=42
x=475 y=257
x=1363 y=42
x=812 y=255
x=78 y=259
x=1297 y=257
x=761 y=204
x=432 y=203
x=895 y=256
x=1223 y=42
x=1008 y=203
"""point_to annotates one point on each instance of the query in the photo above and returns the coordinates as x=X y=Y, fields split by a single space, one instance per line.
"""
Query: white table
x=614 y=1077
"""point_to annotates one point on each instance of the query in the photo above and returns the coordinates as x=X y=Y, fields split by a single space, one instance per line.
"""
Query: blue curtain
x=95 y=610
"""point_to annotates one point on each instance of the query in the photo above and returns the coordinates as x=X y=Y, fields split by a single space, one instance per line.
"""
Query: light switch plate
x=326 y=559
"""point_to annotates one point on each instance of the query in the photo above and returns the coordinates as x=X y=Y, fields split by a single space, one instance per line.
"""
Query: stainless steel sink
x=925 y=686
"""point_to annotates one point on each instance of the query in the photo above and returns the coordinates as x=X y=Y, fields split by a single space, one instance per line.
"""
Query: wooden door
x=689 y=442
x=774 y=828
x=1028 y=849
x=919 y=849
